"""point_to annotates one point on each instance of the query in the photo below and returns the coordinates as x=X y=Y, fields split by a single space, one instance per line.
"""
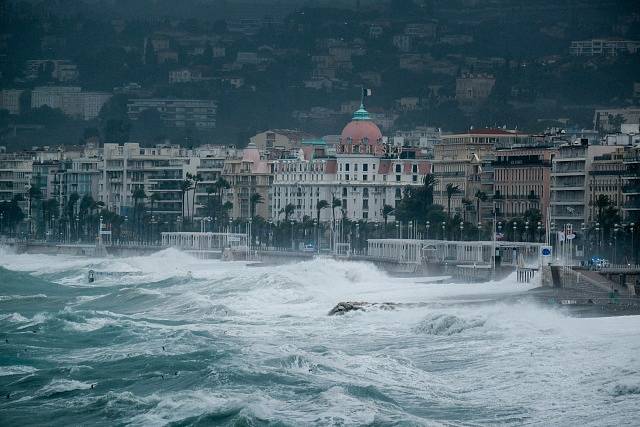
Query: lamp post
x=398 y=230
x=633 y=247
x=539 y=231
x=500 y=227
x=77 y=226
x=444 y=225
x=410 y=230
x=179 y=223
x=427 y=228
x=583 y=229
x=515 y=228
x=615 y=243
x=1 y=222
x=479 y=230
x=526 y=231
x=461 y=228
x=292 y=242
x=316 y=232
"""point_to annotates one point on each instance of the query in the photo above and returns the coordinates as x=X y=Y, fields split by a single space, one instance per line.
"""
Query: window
x=355 y=167
x=364 y=177
x=365 y=192
x=346 y=167
x=414 y=168
x=365 y=215
x=344 y=192
x=365 y=204
x=365 y=167
x=398 y=168
x=346 y=177
x=398 y=193
x=397 y=178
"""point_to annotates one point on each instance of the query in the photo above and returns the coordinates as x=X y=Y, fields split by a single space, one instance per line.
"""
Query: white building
x=161 y=169
x=70 y=100
x=10 y=100
x=604 y=47
x=363 y=175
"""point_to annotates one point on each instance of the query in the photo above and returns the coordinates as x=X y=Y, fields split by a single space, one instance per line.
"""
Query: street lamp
x=410 y=230
x=515 y=227
x=479 y=230
x=398 y=230
x=316 y=232
x=526 y=231
x=292 y=242
x=427 y=228
x=444 y=225
x=539 y=231
x=615 y=243
x=461 y=228
x=633 y=248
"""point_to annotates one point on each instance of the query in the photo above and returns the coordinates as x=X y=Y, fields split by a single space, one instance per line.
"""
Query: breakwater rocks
x=347 y=306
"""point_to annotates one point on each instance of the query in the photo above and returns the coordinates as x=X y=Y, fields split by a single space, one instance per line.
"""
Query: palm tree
x=185 y=187
x=71 y=207
x=602 y=202
x=322 y=204
x=34 y=193
x=220 y=185
x=195 y=179
x=138 y=195
x=288 y=210
x=255 y=199
x=335 y=203
x=481 y=196
x=386 y=211
x=429 y=183
x=210 y=191
x=451 y=191
x=466 y=203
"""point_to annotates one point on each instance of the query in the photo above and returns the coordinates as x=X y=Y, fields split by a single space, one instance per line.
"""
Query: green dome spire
x=361 y=114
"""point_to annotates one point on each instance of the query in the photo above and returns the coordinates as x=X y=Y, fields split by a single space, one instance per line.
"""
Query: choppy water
x=254 y=346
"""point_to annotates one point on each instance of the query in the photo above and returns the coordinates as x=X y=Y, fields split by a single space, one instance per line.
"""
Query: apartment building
x=251 y=174
x=570 y=169
x=10 y=100
x=458 y=160
x=604 y=47
x=15 y=176
x=605 y=178
x=70 y=100
x=159 y=170
x=177 y=112
x=631 y=185
x=521 y=180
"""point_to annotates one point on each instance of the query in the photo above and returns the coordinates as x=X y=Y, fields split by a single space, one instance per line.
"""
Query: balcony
x=567 y=202
x=631 y=189
x=632 y=205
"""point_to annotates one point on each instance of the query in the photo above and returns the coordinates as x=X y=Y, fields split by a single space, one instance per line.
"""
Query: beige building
x=605 y=178
x=471 y=89
x=278 y=140
x=458 y=160
x=251 y=174
x=522 y=177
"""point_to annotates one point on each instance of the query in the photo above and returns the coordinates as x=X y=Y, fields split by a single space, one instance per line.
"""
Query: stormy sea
x=176 y=340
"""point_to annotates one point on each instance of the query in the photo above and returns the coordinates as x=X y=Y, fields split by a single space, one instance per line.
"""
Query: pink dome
x=361 y=132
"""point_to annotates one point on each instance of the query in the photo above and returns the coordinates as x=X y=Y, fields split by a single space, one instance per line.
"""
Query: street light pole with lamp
x=427 y=228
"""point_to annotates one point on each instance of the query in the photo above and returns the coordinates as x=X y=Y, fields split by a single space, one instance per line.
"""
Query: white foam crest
x=61 y=386
x=16 y=370
x=180 y=405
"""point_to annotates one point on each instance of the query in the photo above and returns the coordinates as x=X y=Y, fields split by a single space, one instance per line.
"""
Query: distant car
x=309 y=248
